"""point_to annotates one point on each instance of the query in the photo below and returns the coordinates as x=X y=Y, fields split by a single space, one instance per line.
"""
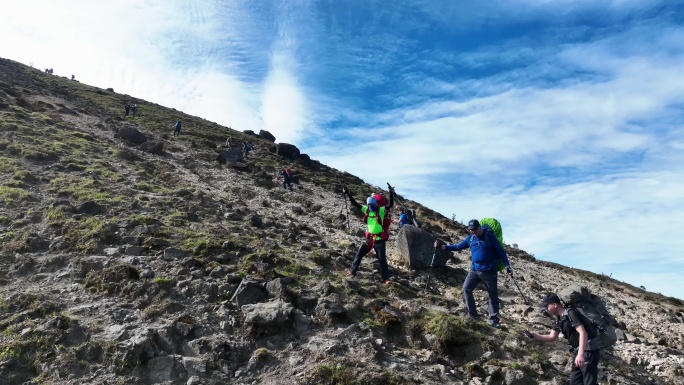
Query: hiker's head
x=474 y=227
x=372 y=204
x=401 y=210
x=552 y=304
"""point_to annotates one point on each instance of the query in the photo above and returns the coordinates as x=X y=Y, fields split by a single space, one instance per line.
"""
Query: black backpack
x=411 y=218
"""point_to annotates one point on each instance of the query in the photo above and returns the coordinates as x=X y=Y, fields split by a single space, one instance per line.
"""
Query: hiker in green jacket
x=375 y=216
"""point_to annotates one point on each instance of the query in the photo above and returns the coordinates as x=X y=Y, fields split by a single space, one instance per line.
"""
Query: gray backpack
x=593 y=308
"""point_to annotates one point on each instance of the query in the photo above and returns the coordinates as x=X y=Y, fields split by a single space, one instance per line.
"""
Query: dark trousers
x=489 y=279
x=379 y=248
x=588 y=373
x=176 y=132
x=287 y=182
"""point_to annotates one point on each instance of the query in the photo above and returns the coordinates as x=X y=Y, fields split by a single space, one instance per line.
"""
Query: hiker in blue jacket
x=486 y=252
x=403 y=219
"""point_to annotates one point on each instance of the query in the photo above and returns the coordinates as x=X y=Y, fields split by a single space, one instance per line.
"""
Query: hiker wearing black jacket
x=572 y=323
x=375 y=236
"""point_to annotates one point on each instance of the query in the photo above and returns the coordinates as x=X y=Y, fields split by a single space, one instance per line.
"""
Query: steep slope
x=152 y=263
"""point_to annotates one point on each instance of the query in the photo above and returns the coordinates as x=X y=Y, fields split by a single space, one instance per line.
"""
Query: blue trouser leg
x=470 y=283
x=379 y=247
x=489 y=278
x=363 y=250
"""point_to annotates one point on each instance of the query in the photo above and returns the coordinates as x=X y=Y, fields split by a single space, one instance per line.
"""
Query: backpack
x=411 y=218
x=594 y=309
x=248 y=146
x=288 y=172
x=493 y=225
x=386 y=221
x=178 y=125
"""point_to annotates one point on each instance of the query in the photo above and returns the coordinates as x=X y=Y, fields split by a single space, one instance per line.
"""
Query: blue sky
x=563 y=119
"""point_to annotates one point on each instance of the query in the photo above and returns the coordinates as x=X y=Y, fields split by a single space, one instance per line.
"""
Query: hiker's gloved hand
x=509 y=270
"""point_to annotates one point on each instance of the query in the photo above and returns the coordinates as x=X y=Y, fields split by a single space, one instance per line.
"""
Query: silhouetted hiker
x=134 y=109
x=127 y=108
x=374 y=217
x=578 y=330
x=47 y=70
x=177 y=128
x=247 y=146
x=287 y=178
x=51 y=71
x=486 y=252
x=403 y=219
x=73 y=77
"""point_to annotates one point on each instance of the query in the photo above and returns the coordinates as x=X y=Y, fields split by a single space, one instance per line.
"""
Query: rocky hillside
x=131 y=256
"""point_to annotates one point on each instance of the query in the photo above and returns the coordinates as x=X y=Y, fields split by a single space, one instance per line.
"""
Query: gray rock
x=162 y=369
x=131 y=134
x=89 y=208
x=286 y=150
x=302 y=322
x=267 y=135
x=269 y=314
x=330 y=309
x=195 y=366
x=156 y=148
x=135 y=250
x=276 y=286
x=218 y=272
x=232 y=155
x=518 y=377
x=249 y=292
x=256 y=221
x=417 y=247
x=172 y=253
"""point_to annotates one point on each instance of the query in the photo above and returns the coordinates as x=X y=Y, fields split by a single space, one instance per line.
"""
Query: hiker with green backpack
x=487 y=255
x=584 y=321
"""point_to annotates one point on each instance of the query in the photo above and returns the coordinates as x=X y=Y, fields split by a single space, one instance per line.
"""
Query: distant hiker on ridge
x=134 y=109
x=403 y=219
x=571 y=323
x=127 y=108
x=177 y=128
x=247 y=147
x=374 y=216
x=486 y=252
x=287 y=178
x=229 y=142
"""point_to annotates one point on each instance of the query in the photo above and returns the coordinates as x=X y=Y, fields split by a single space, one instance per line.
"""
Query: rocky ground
x=130 y=256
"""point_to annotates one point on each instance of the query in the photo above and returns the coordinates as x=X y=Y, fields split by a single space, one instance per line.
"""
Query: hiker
x=403 y=219
x=127 y=108
x=229 y=142
x=287 y=178
x=374 y=216
x=177 y=128
x=134 y=109
x=572 y=323
x=247 y=146
x=486 y=252
x=73 y=77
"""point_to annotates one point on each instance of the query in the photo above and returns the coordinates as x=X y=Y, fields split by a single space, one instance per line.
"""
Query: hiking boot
x=494 y=323
x=350 y=275
x=387 y=282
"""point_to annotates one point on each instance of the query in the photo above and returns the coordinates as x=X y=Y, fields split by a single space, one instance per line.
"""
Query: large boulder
x=156 y=148
x=249 y=292
x=267 y=135
x=250 y=132
x=417 y=247
x=131 y=134
x=287 y=150
x=304 y=159
x=233 y=155
x=269 y=314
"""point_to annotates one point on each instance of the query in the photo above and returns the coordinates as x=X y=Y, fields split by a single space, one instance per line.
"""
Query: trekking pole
x=430 y=271
x=527 y=301
x=346 y=210
x=395 y=195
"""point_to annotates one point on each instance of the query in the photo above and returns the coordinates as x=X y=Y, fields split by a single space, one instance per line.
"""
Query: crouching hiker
x=377 y=217
x=486 y=253
x=578 y=331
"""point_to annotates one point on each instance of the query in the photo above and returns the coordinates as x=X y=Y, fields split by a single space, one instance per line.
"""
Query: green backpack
x=495 y=226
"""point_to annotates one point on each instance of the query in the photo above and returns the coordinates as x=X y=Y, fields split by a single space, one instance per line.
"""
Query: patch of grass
x=13 y=195
x=450 y=330
x=4 y=221
x=88 y=233
x=112 y=279
x=348 y=372
x=83 y=189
